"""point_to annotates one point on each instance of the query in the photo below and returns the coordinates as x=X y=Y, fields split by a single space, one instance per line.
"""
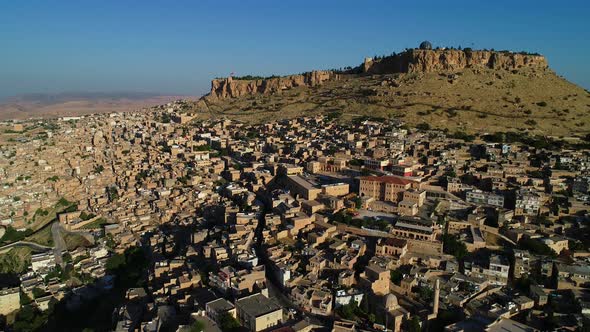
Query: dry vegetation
x=42 y=237
x=15 y=260
x=74 y=241
x=473 y=100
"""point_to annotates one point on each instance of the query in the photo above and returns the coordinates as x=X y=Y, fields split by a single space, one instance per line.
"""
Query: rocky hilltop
x=472 y=91
x=409 y=61
x=425 y=61
x=233 y=88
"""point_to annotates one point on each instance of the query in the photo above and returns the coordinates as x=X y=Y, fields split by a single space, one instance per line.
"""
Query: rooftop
x=387 y=179
x=220 y=304
x=395 y=242
x=257 y=305
x=413 y=227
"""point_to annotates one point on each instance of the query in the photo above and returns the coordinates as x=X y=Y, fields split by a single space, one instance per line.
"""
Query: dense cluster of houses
x=302 y=224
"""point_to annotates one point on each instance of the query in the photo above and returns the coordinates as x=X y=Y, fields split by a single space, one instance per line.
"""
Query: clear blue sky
x=178 y=46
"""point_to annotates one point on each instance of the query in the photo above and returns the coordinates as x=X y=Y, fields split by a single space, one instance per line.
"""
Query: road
x=59 y=245
x=275 y=293
x=32 y=245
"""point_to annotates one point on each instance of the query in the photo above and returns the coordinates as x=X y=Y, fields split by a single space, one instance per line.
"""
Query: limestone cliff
x=410 y=61
x=417 y=60
x=231 y=88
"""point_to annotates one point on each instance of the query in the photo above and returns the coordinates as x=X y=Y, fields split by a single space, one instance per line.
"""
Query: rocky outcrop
x=417 y=60
x=410 y=61
x=232 y=88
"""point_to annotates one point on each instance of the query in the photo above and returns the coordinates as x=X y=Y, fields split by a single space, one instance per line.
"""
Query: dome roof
x=425 y=45
x=391 y=302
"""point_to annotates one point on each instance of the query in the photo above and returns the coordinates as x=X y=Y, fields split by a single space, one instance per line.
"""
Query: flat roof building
x=257 y=312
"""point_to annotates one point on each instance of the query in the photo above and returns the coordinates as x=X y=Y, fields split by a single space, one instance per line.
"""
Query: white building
x=42 y=262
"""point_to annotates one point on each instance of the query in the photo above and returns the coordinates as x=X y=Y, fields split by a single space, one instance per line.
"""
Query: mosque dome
x=425 y=45
x=391 y=302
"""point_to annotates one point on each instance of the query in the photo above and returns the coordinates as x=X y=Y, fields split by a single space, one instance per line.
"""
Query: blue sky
x=177 y=46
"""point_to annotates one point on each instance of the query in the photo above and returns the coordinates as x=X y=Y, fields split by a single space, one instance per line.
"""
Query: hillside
x=472 y=91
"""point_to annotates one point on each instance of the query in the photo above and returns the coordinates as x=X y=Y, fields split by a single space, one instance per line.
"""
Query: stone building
x=528 y=203
x=384 y=188
x=257 y=312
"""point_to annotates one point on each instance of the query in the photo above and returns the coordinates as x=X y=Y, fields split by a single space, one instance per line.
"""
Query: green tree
x=523 y=284
x=358 y=202
x=129 y=268
x=227 y=322
x=414 y=325
x=29 y=319
x=396 y=276
x=63 y=202
x=13 y=235
x=24 y=298
x=115 y=262
x=197 y=327
x=165 y=118
x=347 y=312
x=204 y=147
x=98 y=169
x=67 y=258
x=356 y=162
x=453 y=246
x=423 y=126
x=426 y=294
x=112 y=193
x=536 y=247
x=38 y=292
x=110 y=241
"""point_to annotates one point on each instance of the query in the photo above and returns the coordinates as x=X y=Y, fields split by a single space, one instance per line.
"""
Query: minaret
x=436 y=296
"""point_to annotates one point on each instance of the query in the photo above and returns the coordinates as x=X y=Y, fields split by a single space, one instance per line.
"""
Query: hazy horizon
x=122 y=94
x=176 y=49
